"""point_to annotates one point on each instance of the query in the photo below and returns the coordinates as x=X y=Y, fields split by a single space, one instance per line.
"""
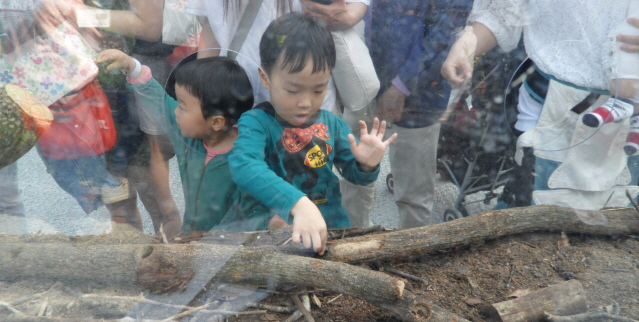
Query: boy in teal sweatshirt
x=287 y=147
x=211 y=94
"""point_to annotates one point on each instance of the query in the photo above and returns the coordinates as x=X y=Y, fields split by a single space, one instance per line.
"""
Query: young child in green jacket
x=211 y=94
x=287 y=147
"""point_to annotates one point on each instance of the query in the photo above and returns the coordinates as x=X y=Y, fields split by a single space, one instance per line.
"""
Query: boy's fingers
x=296 y=237
x=307 y=240
x=375 y=128
x=390 y=139
x=352 y=141
x=324 y=236
x=363 y=130
x=318 y=246
x=382 y=130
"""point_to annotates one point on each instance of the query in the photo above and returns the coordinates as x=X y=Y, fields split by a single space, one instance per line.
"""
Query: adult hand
x=338 y=15
x=391 y=105
x=457 y=68
x=54 y=12
x=631 y=42
x=370 y=150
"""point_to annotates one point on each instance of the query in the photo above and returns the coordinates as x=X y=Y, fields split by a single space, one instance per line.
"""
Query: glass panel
x=342 y=160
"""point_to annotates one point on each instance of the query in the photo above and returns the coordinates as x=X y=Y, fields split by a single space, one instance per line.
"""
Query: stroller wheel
x=451 y=214
x=390 y=183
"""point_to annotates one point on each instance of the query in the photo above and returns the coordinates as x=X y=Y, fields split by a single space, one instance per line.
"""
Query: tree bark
x=566 y=298
x=480 y=227
x=167 y=267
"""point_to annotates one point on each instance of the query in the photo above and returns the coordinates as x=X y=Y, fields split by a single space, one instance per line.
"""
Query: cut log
x=481 y=227
x=23 y=119
x=171 y=267
x=566 y=298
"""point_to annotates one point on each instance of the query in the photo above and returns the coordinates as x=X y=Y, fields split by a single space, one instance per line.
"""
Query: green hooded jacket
x=212 y=199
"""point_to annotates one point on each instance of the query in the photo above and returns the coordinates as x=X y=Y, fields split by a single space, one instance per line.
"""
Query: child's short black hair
x=297 y=36
x=220 y=84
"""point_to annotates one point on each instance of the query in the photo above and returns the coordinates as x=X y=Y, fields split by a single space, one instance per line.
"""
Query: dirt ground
x=464 y=281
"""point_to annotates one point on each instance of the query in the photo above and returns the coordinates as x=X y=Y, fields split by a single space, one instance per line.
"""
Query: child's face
x=188 y=114
x=296 y=97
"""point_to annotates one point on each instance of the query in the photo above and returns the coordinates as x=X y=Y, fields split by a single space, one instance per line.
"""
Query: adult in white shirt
x=573 y=43
x=221 y=19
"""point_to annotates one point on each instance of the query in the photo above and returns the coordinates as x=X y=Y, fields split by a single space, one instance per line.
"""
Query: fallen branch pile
x=179 y=267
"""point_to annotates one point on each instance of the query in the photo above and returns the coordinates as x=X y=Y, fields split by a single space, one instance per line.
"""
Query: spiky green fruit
x=23 y=119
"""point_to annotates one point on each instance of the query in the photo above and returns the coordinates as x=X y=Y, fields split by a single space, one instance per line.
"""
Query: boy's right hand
x=118 y=59
x=309 y=226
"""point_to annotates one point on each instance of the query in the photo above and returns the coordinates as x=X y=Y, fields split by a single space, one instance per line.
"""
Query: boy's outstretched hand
x=309 y=226
x=118 y=59
x=370 y=150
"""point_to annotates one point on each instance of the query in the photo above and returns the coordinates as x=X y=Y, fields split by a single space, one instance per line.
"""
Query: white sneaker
x=114 y=194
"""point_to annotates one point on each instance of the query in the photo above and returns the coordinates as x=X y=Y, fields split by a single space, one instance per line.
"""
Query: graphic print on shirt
x=306 y=150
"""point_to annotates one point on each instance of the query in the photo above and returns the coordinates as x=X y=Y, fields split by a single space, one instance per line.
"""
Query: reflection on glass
x=192 y=160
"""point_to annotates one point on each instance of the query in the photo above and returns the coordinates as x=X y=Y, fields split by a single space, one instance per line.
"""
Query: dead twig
x=43 y=307
x=528 y=244
x=294 y=317
x=335 y=298
x=36 y=296
x=11 y=308
x=340 y=233
x=604 y=206
x=634 y=203
x=319 y=290
x=272 y=308
x=405 y=275
x=220 y=312
x=301 y=308
x=187 y=312
x=587 y=317
x=163 y=234
x=145 y=300
x=510 y=275
x=343 y=232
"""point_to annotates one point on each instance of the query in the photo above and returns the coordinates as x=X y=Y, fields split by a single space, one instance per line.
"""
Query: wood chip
x=43 y=307
x=563 y=242
x=472 y=301
x=518 y=293
x=163 y=234
x=316 y=300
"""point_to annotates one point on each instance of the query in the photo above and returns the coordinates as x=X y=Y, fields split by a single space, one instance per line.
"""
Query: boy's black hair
x=296 y=37
x=221 y=85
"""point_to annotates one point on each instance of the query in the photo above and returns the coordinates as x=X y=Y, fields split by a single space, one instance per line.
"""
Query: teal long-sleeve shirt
x=212 y=199
x=278 y=164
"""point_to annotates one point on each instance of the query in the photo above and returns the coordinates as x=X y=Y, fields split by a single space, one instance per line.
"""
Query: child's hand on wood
x=276 y=222
x=309 y=226
x=118 y=59
x=370 y=150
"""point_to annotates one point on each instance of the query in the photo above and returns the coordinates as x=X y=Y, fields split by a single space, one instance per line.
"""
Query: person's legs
x=125 y=214
x=358 y=200
x=413 y=158
x=12 y=214
x=10 y=203
x=168 y=215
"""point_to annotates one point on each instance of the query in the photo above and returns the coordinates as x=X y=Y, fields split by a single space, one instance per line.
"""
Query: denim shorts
x=82 y=178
